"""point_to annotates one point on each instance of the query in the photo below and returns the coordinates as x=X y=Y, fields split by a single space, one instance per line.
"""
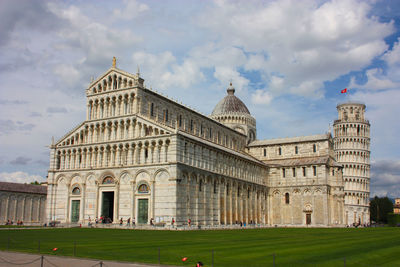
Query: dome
x=230 y=104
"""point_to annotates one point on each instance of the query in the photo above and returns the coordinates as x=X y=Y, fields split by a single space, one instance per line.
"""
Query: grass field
x=251 y=247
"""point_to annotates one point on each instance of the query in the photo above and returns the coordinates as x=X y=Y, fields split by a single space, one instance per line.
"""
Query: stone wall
x=29 y=208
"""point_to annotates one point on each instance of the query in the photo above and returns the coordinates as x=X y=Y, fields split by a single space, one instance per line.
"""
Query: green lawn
x=292 y=247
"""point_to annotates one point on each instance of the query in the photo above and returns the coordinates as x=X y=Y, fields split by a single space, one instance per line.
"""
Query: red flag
x=55 y=249
x=344 y=91
x=184 y=259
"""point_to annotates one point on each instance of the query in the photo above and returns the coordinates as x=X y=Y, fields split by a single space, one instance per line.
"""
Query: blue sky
x=288 y=61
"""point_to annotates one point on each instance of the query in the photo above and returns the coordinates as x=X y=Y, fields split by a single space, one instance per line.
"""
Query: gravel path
x=10 y=259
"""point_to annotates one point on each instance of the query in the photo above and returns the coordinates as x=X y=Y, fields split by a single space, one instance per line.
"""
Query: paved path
x=9 y=259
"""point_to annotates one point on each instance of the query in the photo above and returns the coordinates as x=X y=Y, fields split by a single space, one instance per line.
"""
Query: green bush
x=393 y=219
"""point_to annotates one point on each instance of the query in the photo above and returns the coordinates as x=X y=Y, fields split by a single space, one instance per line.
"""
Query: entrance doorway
x=143 y=210
x=107 y=208
x=308 y=218
x=75 y=205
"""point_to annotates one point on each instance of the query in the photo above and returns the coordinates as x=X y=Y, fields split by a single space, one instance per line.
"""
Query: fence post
x=159 y=256
x=212 y=258
x=344 y=261
x=41 y=261
x=101 y=264
x=273 y=259
x=74 y=248
x=38 y=246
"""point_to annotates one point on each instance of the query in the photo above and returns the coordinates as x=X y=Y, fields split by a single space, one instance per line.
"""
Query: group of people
x=10 y=222
x=128 y=222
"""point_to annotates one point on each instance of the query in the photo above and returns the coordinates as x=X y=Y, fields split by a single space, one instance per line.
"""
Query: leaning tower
x=352 y=149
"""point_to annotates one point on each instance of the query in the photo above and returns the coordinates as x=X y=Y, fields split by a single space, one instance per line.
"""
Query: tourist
x=173 y=221
x=133 y=221
x=90 y=222
x=128 y=222
x=151 y=221
x=121 y=221
x=189 y=222
x=97 y=220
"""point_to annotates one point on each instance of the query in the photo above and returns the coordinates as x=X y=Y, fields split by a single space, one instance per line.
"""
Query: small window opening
x=152 y=109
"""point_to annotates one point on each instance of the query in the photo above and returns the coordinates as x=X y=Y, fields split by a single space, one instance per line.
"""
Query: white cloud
x=376 y=80
x=385 y=177
x=382 y=111
x=261 y=97
x=380 y=79
x=131 y=10
x=305 y=42
x=20 y=177
x=91 y=42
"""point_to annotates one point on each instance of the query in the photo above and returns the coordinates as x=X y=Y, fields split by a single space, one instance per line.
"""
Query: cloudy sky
x=288 y=61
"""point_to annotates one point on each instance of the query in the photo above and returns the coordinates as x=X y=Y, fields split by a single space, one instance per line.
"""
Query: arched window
x=314 y=148
x=76 y=191
x=287 y=198
x=143 y=188
x=108 y=180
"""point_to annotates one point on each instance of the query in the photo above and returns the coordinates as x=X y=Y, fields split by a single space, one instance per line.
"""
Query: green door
x=75 y=210
x=143 y=210
x=107 y=209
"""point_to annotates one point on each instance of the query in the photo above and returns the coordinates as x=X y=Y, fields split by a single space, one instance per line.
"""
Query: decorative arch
x=90 y=178
x=76 y=189
x=308 y=207
x=61 y=179
x=143 y=187
x=124 y=177
x=161 y=175
x=276 y=192
x=108 y=180
x=104 y=175
x=142 y=175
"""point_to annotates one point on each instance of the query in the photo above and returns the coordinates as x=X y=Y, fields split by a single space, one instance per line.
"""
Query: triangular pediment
x=114 y=78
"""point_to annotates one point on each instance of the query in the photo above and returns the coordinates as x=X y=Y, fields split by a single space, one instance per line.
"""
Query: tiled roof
x=23 y=188
x=230 y=104
x=309 y=138
x=303 y=161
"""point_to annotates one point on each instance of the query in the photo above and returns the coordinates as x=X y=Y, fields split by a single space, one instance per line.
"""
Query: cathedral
x=142 y=156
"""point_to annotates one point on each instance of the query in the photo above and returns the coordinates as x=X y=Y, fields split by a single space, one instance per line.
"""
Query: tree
x=35 y=183
x=379 y=208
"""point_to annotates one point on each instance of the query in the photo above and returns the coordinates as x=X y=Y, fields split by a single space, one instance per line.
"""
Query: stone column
x=137 y=152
